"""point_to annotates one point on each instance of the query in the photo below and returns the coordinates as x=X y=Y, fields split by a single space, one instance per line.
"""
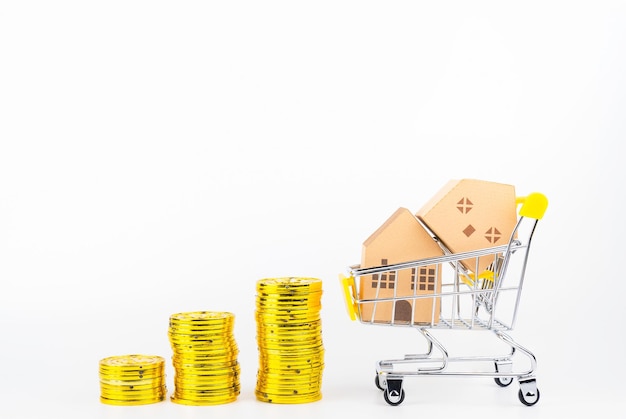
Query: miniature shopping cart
x=455 y=298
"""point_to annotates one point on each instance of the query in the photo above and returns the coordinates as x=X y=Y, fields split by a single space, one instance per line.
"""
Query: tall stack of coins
x=128 y=380
x=289 y=338
x=205 y=358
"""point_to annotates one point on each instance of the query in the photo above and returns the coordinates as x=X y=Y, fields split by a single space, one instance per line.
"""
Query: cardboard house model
x=400 y=239
x=470 y=214
x=465 y=215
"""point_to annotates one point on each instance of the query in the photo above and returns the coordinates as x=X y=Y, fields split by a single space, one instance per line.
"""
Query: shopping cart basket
x=459 y=299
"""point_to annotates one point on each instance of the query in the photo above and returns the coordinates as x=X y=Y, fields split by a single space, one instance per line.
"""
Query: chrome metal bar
x=533 y=361
x=438 y=345
x=523 y=274
x=375 y=297
x=432 y=314
x=395 y=294
x=425 y=355
x=421 y=297
x=437 y=260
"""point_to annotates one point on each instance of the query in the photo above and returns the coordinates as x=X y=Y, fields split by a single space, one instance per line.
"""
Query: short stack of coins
x=128 y=380
x=289 y=339
x=205 y=358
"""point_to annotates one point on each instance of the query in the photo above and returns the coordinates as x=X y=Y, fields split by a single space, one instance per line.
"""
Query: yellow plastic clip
x=484 y=275
x=534 y=205
x=349 y=292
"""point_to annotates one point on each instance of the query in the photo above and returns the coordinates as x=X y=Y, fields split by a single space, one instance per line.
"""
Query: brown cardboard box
x=400 y=239
x=470 y=214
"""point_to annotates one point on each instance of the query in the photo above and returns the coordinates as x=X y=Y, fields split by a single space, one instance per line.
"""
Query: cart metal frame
x=485 y=302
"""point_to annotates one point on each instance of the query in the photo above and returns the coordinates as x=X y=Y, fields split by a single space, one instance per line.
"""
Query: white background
x=158 y=157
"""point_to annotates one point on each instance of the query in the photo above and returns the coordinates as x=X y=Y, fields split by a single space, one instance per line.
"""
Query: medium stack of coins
x=205 y=358
x=289 y=338
x=128 y=380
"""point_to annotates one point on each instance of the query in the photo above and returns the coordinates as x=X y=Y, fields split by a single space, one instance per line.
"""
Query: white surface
x=158 y=157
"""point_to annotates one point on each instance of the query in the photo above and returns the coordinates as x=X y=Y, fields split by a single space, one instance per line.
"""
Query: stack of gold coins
x=128 y=380
x=289 y=338
x=205 y=358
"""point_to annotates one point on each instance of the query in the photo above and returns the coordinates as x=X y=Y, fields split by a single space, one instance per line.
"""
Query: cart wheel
x=529 y=399
x=394 y=398
x=503 y=381
x=377 y=382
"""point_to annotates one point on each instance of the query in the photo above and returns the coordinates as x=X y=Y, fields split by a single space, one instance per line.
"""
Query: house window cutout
x=493 y=235
x=424 y=278
x=469 y=230
x=386 y=280
x=464 y=205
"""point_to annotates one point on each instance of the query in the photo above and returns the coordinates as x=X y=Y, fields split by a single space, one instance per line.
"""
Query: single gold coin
x=131 y=402
x=131 y=362
x=289 y=284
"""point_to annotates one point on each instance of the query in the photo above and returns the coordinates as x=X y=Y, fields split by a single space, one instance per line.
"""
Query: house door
x=403 y=311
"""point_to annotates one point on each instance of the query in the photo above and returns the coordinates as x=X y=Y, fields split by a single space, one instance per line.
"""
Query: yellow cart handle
x=534 y=205
x=349 y=292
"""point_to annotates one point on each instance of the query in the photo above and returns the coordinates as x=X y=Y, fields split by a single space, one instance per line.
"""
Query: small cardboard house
x=470 y=214
x=401 y=238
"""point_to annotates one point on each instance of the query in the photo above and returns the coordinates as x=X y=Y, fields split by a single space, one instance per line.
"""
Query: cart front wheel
x=377 y=382
x=528 y=398
x=394 y=397
x=503 y=381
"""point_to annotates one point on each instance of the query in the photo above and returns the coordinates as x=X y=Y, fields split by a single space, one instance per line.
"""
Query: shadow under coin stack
x=128 y=380
x=205 y=358
x=289 y=338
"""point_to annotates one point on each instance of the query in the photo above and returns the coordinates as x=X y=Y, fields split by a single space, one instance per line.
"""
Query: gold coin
x=294 y=372
x=304 y=299
x=197 y=329
x=203 y=316
x=298 y=382
x=216 y=373
x=289 y=387
x=277 y=319
x=118 y=381
x=133 y=375
x=282 y=399
x=293 y=284
x=290 y=346
x=126 y=393
x=204 y=394
x=204 y=364
x=304 y=328
x=204 y=349
x=269 y=365
x=290 y=392
x=200 y=360
x=117 y=402
x=268 y=312
x=206 y=386
x=207 y=379
x=216 y=368
x=221 y=339
x=265 y=312
x=204 y=402
x=132 y=362
x=268 y=302
x=131 y=378
x=133 y=395
x=285 y=368
x=132 y=386
x=290 y=340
